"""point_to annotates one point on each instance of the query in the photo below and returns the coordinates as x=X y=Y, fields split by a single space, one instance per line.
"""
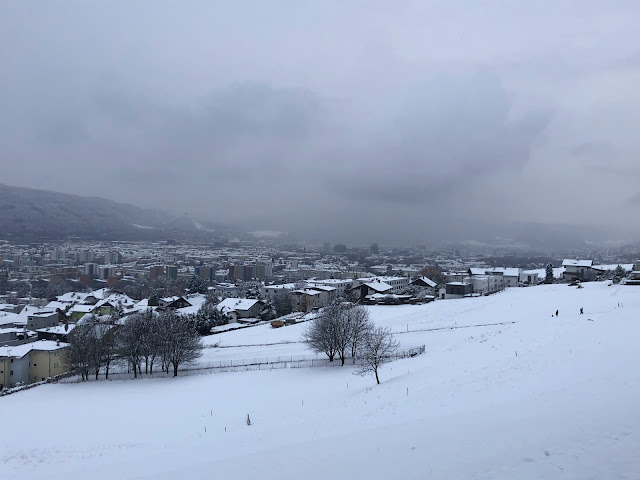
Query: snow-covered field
x=540 y=398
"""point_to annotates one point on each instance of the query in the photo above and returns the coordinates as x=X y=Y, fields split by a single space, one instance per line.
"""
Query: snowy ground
x=543 y=397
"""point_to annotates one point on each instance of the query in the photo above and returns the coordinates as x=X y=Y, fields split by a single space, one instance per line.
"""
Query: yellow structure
x=45 y=364
x=31 y=362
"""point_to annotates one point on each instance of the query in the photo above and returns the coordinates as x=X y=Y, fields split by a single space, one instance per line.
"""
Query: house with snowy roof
x=31 y=362
x=425 y=284
x=240 y=308
x=577 y=269
x=371 y=287
x=174 y=302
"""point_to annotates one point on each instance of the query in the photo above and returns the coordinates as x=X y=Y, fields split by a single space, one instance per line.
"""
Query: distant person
x=581 y=311
x=556 y=313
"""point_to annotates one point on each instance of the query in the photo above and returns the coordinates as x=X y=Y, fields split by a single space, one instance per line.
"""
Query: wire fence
x=244 y=365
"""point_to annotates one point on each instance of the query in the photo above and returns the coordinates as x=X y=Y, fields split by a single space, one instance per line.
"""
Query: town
x=47 y=290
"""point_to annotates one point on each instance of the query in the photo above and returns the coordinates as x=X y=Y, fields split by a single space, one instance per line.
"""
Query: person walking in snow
x=556 y=313
x=581 y=312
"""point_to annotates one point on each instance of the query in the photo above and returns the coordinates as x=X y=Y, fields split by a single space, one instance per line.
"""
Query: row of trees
x=167 y=339
x=343 y=329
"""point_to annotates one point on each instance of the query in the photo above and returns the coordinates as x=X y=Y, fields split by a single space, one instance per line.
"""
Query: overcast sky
x=372 y=118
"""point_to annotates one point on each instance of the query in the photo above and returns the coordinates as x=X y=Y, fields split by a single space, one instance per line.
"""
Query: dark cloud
x=329 y=117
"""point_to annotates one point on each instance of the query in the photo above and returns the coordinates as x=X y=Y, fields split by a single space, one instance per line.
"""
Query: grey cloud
x=326 y=112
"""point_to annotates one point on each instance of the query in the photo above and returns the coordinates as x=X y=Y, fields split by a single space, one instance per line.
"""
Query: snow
x=505 y=390
x=20 y=351
x=236 y=304
x=7 y=318
x=569 y=262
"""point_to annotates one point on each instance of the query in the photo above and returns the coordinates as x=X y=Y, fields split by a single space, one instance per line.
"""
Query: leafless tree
x=321 y=334
x=130 y=341
x=378 y=347
x=78 y=355
x=360 y=326
x=180 y=342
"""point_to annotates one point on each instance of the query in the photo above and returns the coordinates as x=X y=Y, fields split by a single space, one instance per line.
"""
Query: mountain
x=28 y=214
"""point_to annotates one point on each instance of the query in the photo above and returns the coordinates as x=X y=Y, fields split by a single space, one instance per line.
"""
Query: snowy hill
x=530 y=396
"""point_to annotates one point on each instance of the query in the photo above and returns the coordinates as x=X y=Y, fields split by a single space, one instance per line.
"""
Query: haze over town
x=327 y=117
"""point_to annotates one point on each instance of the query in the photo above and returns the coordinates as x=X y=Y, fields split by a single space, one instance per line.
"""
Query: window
x=11 y=373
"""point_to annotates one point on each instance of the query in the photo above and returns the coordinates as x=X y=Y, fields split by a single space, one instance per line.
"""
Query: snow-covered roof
x=55 y=304
x=428 y=281
x=378 y=286
x=20 y=351
x=196 y=301
x=324 y=288
x=58 y=329
x=73 y=297
x=570 y=262
x=115 y=299
x=82 y=308
x=7 y=317
x=234 y=304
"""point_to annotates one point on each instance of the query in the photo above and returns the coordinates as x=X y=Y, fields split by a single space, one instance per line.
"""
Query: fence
x=252 y=364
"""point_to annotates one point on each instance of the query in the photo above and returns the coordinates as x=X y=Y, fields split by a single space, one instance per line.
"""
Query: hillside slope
x=29 y=214
x=544 y=397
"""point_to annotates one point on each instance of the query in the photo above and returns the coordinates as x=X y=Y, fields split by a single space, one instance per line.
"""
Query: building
x=341 y=285
x=577 y=269
x=458 y=290
x=270 y=291
x=112 y=257
x=172 y=272
x=397 y=284
x=529 y=277
x=426 y=284
x=31 y=362
x=372 y=287
x=41 y=319
x=206 y=272
x=173 y=302
x=240 y=308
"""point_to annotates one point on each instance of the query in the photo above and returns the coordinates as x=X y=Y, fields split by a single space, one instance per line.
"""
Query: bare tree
x=78 y=355
x=321 y=335
x=360 y=326
x=107 y=334
x=180 y=341
x=150 y=340
x=130 y=341
x=378 y=347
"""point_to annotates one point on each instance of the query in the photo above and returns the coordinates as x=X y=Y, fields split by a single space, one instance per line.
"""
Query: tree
x=107 y=334
x=153 y=301
x=549 y=277
x=197 y=285
x=283 y=302
x=150 y=340
x=208 y=317
x=620 y=273
x=321 y=335
x=378 y=347
x=360 y=325
x=180 y=342
x=130 y=341
x=78 y=354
